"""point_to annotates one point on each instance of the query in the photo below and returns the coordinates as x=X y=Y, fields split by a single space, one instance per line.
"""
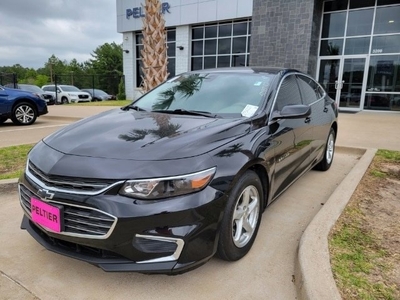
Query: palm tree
x=154 y=53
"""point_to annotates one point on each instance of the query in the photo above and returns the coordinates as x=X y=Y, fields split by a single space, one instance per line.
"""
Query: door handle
x=336 y=85
x=307 y=120
x=325 y=110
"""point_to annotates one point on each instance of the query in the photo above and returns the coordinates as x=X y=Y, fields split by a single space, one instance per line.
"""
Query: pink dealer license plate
x=46 y=215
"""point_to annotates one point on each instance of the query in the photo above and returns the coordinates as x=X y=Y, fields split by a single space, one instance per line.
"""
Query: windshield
x=31 y=88
x=216 y=93
x=69 y=88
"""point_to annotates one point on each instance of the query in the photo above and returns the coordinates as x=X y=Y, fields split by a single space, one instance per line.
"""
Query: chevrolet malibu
x=179 y=175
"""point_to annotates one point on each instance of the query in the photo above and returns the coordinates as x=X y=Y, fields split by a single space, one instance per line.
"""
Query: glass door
x=344 y=80
x=352 y=80
x=329 y=77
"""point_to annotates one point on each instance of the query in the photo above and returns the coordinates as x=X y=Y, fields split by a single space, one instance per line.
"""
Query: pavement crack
x=19 y=284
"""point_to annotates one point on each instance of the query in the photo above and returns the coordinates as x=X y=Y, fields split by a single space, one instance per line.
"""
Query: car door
x=319 y=119
x=291 y=139
x=4 y=105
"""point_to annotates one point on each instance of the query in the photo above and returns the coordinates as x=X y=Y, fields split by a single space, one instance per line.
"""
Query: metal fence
x=8 y=79
x=107 y=83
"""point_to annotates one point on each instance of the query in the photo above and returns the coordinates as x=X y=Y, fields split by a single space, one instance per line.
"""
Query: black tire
x=64 y=100
x=24 y=113
x=3 y=119
x=329 y=152
x=234 y=244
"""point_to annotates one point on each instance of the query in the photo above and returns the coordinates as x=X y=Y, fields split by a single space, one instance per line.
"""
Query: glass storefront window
x=239 y=45
x=360 y=22
x=380 y=101
x=211 y=32
x=335 y=5
x=333 y=25
x=240 y=29
x=360 y=4
x=357 y=46
x=387 y=20
x=225 y=30
x=331 y=47
x=387 y=2
x=223 y=45
x=197 y=47
x=210 y=47
x=386 y=44
x=384 y=73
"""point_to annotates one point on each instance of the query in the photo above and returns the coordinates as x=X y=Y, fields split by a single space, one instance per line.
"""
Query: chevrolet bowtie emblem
x=45 y=194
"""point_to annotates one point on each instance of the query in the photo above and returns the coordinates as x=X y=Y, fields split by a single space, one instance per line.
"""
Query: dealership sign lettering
x=138 y=12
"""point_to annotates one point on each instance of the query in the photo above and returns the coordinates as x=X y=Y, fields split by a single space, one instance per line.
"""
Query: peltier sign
x=138 y=12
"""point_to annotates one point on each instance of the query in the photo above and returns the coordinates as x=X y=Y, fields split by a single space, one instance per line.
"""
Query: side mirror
x=292 y=112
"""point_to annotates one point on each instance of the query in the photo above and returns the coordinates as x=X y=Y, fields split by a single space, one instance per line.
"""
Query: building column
x=286 y=34
x=182 y=58
x=129 y=64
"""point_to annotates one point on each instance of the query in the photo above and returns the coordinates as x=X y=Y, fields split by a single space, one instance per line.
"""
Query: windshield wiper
x=134 y=107
x=181 y=111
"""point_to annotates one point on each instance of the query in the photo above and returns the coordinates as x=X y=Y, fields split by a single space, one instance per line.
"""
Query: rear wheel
x=242 y=218
x=24 y=114
x=326 y=162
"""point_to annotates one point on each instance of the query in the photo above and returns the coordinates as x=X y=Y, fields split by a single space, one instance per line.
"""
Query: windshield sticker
x=249 y=110
x=258 y=83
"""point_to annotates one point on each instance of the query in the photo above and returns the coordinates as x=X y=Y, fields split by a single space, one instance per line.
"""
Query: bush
x=121 y=90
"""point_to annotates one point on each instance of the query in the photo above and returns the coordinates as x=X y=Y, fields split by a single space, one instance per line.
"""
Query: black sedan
x=183 y=173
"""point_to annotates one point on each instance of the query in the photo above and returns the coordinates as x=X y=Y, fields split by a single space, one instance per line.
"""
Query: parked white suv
x=67 y=93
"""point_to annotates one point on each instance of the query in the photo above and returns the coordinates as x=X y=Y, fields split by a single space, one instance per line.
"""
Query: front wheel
x=64 y=100
x=326 y=162
x=242 y=218
x=24 y=114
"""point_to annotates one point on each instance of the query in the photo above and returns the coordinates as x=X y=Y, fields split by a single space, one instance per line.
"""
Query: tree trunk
x=154 y=53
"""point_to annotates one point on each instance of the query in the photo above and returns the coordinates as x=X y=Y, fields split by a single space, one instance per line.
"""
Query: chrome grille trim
x=79 y=221
x=43 y=181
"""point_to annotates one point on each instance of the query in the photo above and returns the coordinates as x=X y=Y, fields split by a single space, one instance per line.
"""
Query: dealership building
x=352 y=47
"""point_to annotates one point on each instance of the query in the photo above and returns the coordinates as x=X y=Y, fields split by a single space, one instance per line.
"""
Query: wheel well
x=27 y=101
x=335 y=128
x=263 y=175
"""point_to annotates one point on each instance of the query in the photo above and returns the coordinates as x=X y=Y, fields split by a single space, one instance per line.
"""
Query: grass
x=103 y=103
x=357 y=256
x=12 y=160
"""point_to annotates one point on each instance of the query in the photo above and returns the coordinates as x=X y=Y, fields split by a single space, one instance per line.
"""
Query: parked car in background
x=184 y=172
x=67 y=93
x=20 y=106
x=48 y=97
x=98 y=95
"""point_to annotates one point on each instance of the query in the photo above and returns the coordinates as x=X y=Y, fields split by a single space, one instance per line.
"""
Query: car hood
x=119 y=134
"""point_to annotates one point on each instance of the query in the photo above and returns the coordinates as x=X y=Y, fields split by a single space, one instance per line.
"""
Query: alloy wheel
x=245 y=216
x=24 y=114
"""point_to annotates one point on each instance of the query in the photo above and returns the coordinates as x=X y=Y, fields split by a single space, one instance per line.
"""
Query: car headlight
x=168 y=186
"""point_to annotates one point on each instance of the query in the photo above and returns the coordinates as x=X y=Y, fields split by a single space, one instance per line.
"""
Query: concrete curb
x=8 y=185
x=313 y=273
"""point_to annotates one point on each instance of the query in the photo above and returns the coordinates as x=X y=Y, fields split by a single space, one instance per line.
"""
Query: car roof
x=248 y=70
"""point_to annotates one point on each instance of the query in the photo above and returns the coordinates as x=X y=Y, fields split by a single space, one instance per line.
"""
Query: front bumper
x=168 y=236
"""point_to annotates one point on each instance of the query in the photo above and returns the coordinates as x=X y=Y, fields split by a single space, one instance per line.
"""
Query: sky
x=32 y=30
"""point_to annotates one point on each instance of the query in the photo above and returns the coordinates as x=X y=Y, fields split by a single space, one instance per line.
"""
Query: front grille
x=47 y=96
x=79 y=221
x=68 y=183
x=83 y=96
